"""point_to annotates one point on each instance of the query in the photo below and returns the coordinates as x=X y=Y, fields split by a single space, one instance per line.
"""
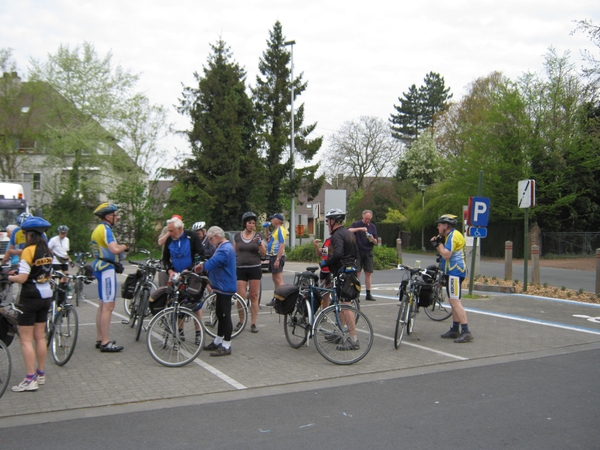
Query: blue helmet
x=34 y=223
x=21 y=217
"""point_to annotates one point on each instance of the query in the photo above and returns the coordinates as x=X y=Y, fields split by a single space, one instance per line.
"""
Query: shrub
x=384 y=257
x=304 y=252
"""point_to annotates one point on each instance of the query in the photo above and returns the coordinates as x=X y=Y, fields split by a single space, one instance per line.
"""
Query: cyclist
x=35 y=269
x=325 y=274
x=342 y=253
x=249 y=247
x=200 y=229
x=107 y=253
x=450 y=244
x=17 y=240
x=59 y=246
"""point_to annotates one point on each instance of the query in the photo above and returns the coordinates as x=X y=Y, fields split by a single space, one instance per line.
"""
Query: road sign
x=478 y=232
x=526 y=190
x=479 y=211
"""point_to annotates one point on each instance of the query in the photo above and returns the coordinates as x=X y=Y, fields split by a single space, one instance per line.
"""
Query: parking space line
x=422 y=347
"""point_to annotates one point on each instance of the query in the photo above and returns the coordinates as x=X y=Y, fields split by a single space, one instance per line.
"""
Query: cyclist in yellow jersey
x=107 y=253
x=450 y=244
x=35 y=269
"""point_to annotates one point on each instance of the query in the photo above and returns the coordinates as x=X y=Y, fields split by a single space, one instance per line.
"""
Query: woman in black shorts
x=249 y=247
x=35 y=269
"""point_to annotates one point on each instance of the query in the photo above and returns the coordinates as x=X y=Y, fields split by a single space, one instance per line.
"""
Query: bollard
x=508 y=256
x=535 y=261
x=598 y=271
x=378 y=242
x=399 y=248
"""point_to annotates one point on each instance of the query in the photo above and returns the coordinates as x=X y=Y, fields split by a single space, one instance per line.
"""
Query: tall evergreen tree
x=419 y=107
x=222 y=170
x=272 y=97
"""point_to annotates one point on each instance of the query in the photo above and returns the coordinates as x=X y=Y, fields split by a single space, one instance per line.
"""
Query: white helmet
x=198 y=226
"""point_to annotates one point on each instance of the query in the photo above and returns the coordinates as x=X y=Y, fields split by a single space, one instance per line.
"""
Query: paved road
x=506 y=328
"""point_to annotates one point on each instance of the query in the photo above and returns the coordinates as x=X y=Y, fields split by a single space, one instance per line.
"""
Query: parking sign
x=479 y=211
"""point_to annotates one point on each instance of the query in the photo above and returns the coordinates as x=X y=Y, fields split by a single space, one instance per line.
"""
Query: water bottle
x=266 y=224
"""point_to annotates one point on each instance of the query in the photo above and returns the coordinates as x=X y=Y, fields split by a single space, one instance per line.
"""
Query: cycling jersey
x=102 y=236
x=456 y=265
x=276 y=240
x=37 y=264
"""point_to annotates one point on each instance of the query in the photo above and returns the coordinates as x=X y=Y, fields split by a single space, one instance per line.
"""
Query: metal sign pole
x=474 y=253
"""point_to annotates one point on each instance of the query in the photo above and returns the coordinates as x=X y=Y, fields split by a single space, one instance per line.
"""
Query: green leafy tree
x=223 y=168
x=422 y=163
x=272 y=97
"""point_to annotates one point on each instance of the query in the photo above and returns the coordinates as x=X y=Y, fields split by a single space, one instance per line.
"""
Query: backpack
x=285 y=297
x=8 y=327
x=348 y=286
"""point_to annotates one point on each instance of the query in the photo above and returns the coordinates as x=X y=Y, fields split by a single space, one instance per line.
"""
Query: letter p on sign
x=479 y=211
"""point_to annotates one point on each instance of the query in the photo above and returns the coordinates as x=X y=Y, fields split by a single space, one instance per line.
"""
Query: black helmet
x=449 y=219
x=105 y=209
x=248 y=216
x=34 y=223
x=336 y=214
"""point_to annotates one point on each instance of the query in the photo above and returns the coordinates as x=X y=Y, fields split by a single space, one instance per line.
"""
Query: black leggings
x=223 y=310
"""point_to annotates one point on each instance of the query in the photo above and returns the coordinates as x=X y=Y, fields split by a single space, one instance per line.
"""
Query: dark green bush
x=383 y=256
x=304 y=252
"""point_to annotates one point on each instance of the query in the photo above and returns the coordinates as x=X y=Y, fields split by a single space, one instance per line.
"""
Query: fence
x=570 y=243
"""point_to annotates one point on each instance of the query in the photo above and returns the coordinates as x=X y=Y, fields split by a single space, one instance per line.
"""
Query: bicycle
x=138 y=304
x=5 y=358
x=62 y=325
x=409 y=292
x=85 y=276
x=169 y=332
x=328 y=329
x=439 y=309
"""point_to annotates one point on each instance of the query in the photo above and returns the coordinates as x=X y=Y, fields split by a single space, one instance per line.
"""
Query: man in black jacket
x=342 y=253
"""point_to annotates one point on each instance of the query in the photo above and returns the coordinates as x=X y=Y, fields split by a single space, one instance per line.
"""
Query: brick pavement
x=265 y=361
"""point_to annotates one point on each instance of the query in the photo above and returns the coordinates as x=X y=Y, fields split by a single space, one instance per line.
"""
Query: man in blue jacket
x=221 y=270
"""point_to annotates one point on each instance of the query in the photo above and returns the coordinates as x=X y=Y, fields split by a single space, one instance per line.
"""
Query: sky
x=358 y=57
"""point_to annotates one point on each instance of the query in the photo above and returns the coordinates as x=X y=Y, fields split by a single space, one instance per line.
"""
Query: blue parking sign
x=479 y=211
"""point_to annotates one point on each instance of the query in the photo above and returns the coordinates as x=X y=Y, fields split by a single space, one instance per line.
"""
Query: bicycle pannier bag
x=159 y=299
x=195 y=288
x=89 y=272
x=348 y=286
x=8 y=328
x=425 y=297
x=285 y=297
x=128 y=288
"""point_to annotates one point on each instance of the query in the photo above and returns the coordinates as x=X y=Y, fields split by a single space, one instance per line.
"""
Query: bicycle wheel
x=5 y=367
x=332 y=337
x=78 y=291
x=171 y=337
x=439 y=309
x=143 y=311
x=297 y=324
x=400 y=320
x=238 y=309
x=412 y=313
x=64 y=339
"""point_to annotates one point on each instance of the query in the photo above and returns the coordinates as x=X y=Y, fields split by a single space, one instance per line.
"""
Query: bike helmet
x=449 y=219
x=248 y=216
x=198 y=226
x=62 y=229
x=21 y=217
x=36 y=224
x=336 y=214
x=104 y=209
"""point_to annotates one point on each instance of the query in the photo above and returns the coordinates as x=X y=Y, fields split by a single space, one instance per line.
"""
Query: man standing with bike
x=365 y=233
x=341 y=254
x=107 y=253
x=450 y=244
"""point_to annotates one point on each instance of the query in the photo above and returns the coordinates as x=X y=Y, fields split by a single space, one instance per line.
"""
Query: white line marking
x=422 y=347
x=227 y=379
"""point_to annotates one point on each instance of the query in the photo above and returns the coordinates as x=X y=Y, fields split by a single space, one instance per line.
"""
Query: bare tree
x=362 y=149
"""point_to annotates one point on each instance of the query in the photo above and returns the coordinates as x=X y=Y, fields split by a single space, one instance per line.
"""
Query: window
x=35 y=179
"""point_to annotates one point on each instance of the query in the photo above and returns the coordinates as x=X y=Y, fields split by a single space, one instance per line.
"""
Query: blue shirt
x=221 y=269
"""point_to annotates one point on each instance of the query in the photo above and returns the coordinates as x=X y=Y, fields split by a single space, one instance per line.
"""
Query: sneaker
x=41 y=379
x=238 y=327
x=99 y=344
x=370 y=298
x=221 y=351
x=211 y=346
x=349 y=344
x=464 y=337
x=450 y=334
x=253 y=328
x=198 y=338
x=26 y=385
x=111 y=347
x=271 y=303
